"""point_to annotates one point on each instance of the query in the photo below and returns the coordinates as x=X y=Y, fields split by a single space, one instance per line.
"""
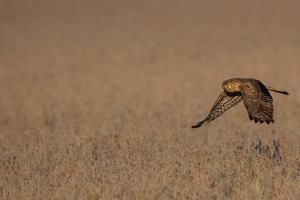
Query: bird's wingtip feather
x=199 y=124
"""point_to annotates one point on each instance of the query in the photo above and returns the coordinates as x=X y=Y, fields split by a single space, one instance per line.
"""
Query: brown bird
x=256 y=97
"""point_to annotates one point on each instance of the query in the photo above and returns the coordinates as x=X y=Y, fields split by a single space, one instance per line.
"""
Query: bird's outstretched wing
x=258 y=101
x=223 y=103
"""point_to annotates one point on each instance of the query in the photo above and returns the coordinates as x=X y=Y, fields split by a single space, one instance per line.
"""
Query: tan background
x=97 y=98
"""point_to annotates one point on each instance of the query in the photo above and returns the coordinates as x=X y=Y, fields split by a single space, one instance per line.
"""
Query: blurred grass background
x=97 y=98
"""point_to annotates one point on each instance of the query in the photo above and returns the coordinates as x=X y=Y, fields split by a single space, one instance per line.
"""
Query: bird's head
x=230 y=86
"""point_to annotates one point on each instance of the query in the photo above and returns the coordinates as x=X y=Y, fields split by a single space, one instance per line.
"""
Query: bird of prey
x=255 y=95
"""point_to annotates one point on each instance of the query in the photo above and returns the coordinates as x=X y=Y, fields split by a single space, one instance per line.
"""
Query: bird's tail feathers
x=274 y=90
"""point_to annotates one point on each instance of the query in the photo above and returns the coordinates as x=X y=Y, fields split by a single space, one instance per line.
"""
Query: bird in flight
x=254 y=93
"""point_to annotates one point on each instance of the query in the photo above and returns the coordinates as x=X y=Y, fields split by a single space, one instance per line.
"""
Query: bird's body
x=255 y=95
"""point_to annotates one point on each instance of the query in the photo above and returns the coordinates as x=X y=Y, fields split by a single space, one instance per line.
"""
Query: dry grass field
x=98 y=97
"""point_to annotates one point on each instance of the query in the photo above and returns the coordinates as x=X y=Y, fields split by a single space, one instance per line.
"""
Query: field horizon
x=98 y=99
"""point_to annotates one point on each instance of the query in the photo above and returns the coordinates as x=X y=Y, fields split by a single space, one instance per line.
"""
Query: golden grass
x=97 y=100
